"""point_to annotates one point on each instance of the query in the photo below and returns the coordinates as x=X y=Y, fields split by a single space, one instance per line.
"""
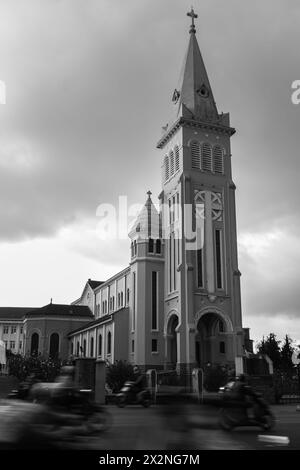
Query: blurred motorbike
x=130 y=395
x=73 y=412
x=254 y=411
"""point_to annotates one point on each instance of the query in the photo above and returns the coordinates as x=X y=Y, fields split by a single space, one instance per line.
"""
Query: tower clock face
x=203 y=91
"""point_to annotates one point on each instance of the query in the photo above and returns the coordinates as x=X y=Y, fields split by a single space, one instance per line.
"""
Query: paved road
x=138 y=428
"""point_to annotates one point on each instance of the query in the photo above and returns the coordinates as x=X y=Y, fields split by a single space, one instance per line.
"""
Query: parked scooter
x=130 y=395
x=234 y=413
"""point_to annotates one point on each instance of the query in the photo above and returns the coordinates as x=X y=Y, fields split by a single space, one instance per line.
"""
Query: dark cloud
x=89 y=85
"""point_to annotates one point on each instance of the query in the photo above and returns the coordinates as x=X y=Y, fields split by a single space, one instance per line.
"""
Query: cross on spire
x=193 y=15
x=149 y=194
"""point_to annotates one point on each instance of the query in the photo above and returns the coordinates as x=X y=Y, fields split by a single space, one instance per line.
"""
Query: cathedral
x=178 y=304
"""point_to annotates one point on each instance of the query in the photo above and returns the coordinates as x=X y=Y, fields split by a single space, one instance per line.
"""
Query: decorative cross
x=149 y=194
x=193 y=15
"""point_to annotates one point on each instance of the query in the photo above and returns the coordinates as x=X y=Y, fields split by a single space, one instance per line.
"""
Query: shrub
x=117 y=374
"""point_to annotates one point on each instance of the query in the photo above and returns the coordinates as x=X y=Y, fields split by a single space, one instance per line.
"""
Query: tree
x=118 y=373
x=287 y=352
x=270 y=347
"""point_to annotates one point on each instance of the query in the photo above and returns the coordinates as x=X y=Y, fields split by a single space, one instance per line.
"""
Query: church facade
x=180 y=297
x=177 y=304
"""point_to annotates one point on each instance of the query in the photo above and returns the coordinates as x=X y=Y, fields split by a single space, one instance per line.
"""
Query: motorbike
x=129 y=395
x=234 y=413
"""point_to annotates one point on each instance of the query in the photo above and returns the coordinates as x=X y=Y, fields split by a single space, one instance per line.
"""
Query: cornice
x=184 y=122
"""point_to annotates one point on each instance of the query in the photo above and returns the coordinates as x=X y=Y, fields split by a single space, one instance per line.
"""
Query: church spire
x=195 y=97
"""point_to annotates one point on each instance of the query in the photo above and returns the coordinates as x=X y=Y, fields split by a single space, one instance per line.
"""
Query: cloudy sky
x=89 y=85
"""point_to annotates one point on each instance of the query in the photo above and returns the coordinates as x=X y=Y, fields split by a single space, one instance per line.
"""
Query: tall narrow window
x=100 y=345
x=206 y=157
x=196 y=156
x=219 y=259
x=174 y=261
x=132 y=250
x=154 y=346
x=128 y=295
x=122 y=299
x=177 y=160
x=109 y=343
x=132 y=346
x=84 y=347
x=133 y=306
x=92 y=347
x=154 y=300
x=167 y=170
x=170 y=263
x=170 y=211
x=218 y=159
x=222 y=347
x=77 y=348
x=158 y=247
x=135 y=248
x=172 y=163
x=200 y=268
x=151 y=245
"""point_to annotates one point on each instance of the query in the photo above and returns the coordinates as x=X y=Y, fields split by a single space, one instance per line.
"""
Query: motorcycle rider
x=139 y=381
x=244 y=394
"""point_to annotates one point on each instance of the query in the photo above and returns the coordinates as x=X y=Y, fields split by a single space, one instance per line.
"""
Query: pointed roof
x=195 y=93
x=147 y=223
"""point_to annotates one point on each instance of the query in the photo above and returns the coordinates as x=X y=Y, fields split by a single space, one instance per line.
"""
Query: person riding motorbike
x=244 y=394
x=139 y=381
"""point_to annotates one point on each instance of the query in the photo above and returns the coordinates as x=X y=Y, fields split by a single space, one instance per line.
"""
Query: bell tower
x=202 y=314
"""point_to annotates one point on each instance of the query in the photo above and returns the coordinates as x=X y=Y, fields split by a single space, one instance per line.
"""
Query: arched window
x=151 y=245
x=177 y=159
x=77 y=348
x=172 y=163
x=132 y=250
x=222 y=347
x=128 y=295
x=113 y=303
x=167 y=168
x=34 y=344
x=105 y=304
x=92 y=347
x=54 y=346
x=100 y=345
x=109 y=343
x=206 y=157
x=196 y=155
x=121 y=299
x=135 y=248
x=218 y=159
x=158 y=247
x=84 y=347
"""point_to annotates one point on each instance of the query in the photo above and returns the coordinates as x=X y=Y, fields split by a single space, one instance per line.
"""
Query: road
x=136 y=428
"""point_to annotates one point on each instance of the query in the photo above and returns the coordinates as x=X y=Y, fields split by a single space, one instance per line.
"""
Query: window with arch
x=34 y=344
x=196 y=155
x=128 y=295
x=172 y=163
x=92 y=347
x=109 y=342
x=100 y=345
x=206 y=157
x=54 y=346
x=177 y=158
x=151 y=245
x=218 y=159
x=167 y=168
